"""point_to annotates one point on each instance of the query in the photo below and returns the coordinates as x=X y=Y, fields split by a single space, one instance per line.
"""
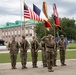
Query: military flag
x=45 y=9
x=56 y=18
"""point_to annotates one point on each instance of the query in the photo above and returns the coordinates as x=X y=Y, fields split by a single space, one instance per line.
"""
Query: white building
x=17 y=29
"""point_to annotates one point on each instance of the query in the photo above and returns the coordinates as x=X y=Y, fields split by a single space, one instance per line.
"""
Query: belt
x=49 y=47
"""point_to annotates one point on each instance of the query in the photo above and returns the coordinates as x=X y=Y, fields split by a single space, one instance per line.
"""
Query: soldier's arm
x=18 y=46
x=8 y=46
x=31 y=44
x=27 y=44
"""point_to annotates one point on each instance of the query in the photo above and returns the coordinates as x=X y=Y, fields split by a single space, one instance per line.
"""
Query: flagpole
x=45 y=12
x=24 y=23
x=35 y=32
x=21 y=13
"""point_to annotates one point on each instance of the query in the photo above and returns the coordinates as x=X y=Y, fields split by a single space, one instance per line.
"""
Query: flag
x=56 y=19
x=45 y=9
x=30 y=14
x=42 y=16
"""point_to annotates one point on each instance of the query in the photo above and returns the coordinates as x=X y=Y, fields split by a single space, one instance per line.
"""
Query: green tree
x=68 y=28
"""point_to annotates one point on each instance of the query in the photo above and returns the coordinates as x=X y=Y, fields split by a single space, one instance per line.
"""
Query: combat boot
x=50 y=70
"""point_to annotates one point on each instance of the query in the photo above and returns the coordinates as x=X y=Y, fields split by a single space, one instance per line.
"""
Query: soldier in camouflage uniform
x=50 y=51
x=44 y=60
x=55 y=52
x=13 y=47
x=34 y=52
x=62 y=47
x=23 y=51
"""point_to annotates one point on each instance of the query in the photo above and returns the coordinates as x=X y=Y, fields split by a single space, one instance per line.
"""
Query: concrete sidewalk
x=70 y=69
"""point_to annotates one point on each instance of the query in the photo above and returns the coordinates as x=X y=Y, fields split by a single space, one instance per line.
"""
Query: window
x=15 y=35
x=26 y=34
x=18 y=35
x=2 y=36
x=26 y=27
x=18 y=30
x=30 y=34
x=30 y=27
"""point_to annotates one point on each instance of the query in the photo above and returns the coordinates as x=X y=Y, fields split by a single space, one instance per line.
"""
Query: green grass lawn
x=72 y=46
x=5 y=57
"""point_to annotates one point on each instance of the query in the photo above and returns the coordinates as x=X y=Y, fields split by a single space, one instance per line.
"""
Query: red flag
x=56 y=19
x=47 y=24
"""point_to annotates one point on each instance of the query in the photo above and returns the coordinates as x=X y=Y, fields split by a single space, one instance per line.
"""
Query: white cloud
x=70 y=1
x=10 y=10
x=7 y=18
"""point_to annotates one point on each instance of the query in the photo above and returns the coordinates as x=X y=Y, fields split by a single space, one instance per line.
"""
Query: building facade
x=17 y=29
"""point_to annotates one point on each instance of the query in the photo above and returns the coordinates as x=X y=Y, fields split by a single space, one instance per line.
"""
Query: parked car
x=2 y=42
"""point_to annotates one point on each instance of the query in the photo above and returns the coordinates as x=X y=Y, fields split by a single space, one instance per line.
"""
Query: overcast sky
x=10 y=10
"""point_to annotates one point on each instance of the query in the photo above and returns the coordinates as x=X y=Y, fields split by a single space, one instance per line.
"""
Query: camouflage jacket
x=34 y=44
x=24 y=45
x=13 y=47
x=62 y=44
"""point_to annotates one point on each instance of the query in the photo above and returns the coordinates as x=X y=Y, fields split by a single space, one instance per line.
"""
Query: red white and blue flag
x=42 y=16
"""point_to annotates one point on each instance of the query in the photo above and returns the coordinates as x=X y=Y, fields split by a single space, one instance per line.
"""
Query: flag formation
x=37 y=14
x=56 y=19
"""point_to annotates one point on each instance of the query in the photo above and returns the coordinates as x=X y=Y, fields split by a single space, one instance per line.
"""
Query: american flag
x=30 y=14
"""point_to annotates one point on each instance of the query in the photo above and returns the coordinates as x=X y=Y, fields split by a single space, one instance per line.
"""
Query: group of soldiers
x=49 y=51
x=14 y=47
x=48 y=47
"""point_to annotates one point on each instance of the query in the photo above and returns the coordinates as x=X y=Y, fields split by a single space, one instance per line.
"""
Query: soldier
x=44 y=60
x=13 y=46
x=34 y=52
x=55 y=52
x=23 y=51
x=50 y=51
x=62 y=47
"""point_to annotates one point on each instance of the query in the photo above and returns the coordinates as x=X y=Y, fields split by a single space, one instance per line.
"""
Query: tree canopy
x=68 y=28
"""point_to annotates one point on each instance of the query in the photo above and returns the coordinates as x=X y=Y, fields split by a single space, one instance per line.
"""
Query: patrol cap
x=49 y=35
x=61 y=35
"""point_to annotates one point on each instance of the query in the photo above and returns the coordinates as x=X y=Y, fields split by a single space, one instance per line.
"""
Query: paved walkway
x=70 y=69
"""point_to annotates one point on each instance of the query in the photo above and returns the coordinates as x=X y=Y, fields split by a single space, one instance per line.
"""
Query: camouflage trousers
x=44 y=59
x=54 y=57
x=13 y=58
x=23 y=56
x=34 y=58
x=50 y=54
x=62 y=56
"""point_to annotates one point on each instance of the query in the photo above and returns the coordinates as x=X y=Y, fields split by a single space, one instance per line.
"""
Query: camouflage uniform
x=44 y=60
x=62 y=46
x=34 y=52
x=23 y=52
x=14 y=48
x=50 y=52
x=55 y=53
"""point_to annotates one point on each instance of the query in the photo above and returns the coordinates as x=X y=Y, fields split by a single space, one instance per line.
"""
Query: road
x=70 y=69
